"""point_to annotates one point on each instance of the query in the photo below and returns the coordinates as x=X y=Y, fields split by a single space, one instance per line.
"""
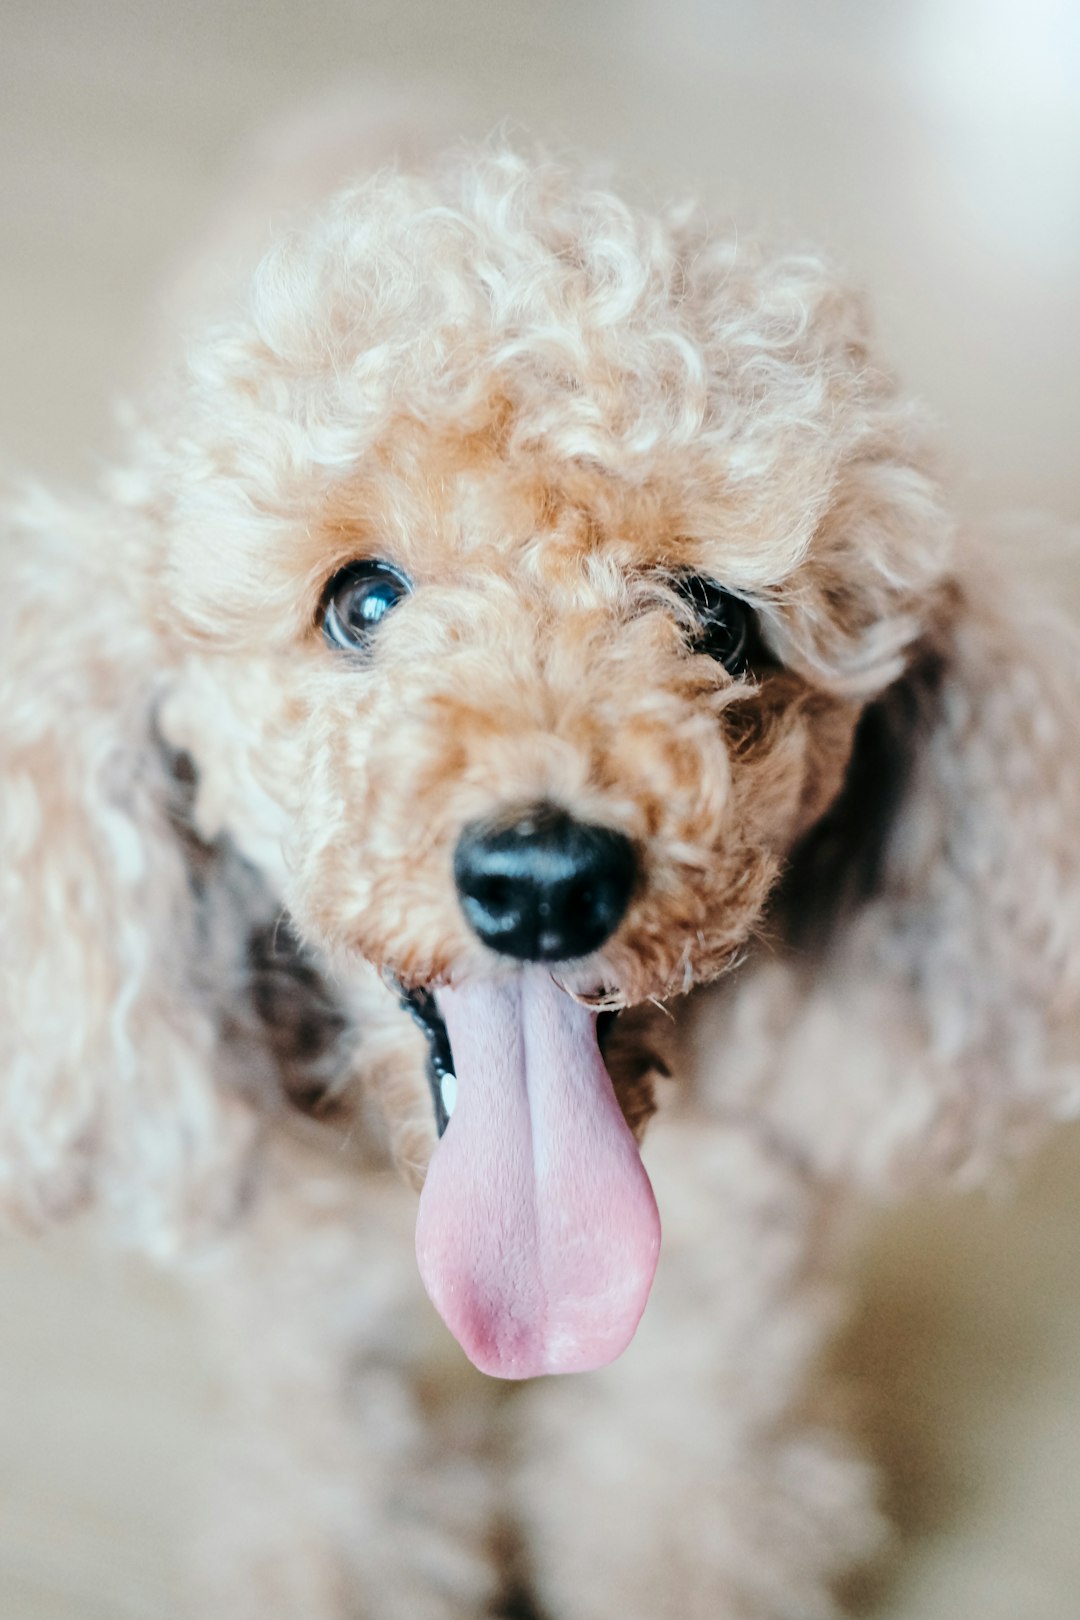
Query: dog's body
x=674 y=597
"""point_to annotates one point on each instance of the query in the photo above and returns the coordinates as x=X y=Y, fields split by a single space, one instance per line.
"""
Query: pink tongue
x=537 y=1235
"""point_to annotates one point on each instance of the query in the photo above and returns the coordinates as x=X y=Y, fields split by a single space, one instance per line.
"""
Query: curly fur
x=542 y=404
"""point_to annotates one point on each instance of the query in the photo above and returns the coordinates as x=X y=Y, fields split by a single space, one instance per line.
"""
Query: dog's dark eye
x=359 y=598
x=727 y=626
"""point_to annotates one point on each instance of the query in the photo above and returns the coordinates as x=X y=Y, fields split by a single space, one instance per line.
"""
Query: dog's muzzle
x=543 y=887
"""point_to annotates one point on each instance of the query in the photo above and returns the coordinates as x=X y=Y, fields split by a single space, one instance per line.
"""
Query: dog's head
x=547 y=555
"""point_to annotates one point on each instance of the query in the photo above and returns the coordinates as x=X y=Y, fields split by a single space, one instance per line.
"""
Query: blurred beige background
x=934 y=146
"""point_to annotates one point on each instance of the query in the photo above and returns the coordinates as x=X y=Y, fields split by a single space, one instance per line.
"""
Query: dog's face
x=547 y=556
x=505 y=653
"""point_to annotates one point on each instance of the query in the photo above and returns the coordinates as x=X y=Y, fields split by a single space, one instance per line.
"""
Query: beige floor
x=935 y=146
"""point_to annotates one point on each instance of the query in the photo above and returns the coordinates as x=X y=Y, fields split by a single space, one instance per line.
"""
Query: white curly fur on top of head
x=735 y=382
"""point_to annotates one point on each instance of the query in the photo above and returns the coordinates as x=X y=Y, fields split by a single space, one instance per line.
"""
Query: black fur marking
x=841 y=861
x=287 y=1039
x=605 y=1023
x=300 y=1019
x=518 y=1604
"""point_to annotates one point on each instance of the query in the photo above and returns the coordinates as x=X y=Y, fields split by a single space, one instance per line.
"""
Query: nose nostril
x=544 y=887
x=493 y=892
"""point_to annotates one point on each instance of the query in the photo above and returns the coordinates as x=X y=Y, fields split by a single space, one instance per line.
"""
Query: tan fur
x=541 y=405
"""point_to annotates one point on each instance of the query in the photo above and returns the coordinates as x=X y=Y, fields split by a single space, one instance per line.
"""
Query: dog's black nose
x=544 y=887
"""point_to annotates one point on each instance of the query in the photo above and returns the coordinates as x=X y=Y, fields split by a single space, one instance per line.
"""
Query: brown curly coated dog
x=523 y=675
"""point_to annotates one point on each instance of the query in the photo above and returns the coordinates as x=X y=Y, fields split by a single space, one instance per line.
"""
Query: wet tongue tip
x=537 y=1235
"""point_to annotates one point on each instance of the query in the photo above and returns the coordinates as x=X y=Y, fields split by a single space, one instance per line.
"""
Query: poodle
x=521 y=698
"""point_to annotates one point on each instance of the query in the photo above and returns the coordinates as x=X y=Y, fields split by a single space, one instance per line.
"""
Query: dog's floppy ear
x=935 y=912
x=105 y=1073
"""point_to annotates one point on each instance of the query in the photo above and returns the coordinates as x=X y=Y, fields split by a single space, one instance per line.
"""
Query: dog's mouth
x=442 y=1081
x=537 y=1235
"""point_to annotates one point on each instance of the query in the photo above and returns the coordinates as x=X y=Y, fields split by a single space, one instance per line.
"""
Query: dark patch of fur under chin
x=635 y=1047
x=841 y=862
